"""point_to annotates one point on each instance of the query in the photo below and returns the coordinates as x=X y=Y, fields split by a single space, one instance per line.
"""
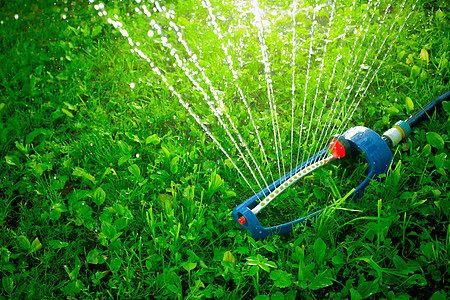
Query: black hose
x=426 y=110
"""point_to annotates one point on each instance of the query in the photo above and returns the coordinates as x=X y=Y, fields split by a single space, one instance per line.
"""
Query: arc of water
x=283 y=186
x=294 y=13
x=217 y=114
x=322 y=136
x=188 y=108
x=355 y=57
x=300 y=173
x=197 y=119
x=348 y=115
x=185 y=105
x=368 y=50
x=327 y=36
x=206 y=4
x=272 y=104
x=346 y=74
x=205 y=95
x=194 y=60
x=306 y=84
x=379 y=66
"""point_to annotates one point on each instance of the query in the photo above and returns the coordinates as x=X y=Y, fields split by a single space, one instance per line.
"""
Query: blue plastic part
x=364 y=140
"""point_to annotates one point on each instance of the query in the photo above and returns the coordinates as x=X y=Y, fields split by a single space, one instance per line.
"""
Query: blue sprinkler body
x=362 y=139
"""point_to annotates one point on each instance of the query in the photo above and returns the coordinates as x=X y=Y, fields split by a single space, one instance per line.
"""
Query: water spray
x=359 y=139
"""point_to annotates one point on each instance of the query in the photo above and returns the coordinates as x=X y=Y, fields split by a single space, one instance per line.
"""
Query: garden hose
x=374 y=148
x=402 y=129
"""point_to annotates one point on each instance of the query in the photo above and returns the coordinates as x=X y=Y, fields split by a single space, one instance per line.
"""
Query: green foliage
x=111 y=191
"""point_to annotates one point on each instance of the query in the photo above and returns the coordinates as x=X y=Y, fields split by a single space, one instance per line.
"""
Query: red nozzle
x=337 y=148
x=242 y=220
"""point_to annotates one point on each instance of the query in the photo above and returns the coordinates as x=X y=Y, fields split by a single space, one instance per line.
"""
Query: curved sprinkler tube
x=374 y=148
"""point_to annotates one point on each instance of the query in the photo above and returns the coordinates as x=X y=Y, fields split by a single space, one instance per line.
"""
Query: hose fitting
x=404 y=128
x=397 y=133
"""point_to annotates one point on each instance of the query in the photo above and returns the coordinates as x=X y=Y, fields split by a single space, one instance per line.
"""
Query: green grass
x=112 y=192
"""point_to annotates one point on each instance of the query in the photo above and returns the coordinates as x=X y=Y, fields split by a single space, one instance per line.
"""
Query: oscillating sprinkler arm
x=360 y=139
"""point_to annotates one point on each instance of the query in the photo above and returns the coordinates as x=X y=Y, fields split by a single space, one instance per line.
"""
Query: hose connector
x=398 y=132
x=404 y=128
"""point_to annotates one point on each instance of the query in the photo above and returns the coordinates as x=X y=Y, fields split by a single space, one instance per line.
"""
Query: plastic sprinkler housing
x=360 y=139
x=375 y=151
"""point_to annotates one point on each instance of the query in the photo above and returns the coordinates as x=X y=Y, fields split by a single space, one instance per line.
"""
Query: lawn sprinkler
x=374 y=148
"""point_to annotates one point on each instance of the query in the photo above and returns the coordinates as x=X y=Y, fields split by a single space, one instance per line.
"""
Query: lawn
x=113 y=186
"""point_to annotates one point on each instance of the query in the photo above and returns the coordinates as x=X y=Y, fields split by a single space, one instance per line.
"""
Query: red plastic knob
x=337 y=148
